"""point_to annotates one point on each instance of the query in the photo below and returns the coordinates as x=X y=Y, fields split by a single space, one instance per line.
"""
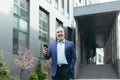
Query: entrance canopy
x=96 y=21
x=97 y=8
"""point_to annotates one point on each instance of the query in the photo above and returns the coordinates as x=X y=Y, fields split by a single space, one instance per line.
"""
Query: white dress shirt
x=61 y=59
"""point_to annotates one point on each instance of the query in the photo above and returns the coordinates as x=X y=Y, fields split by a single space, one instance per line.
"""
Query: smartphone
x=45 y=45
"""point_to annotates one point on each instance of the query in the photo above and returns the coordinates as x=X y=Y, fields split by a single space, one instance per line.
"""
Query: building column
x=77 y=66
x=118 y=43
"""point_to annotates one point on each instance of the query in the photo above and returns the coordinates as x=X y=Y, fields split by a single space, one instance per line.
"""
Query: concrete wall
x=6 y=29
x=6 y=26
x=110 y=49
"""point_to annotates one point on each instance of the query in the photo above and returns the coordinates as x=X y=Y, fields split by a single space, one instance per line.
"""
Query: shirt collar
x=61 y=42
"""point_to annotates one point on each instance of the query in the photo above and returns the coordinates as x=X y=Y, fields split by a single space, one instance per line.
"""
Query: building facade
x=97 y=26
x=29 y=24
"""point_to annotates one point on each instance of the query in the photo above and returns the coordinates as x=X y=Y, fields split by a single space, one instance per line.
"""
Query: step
x=97 y=71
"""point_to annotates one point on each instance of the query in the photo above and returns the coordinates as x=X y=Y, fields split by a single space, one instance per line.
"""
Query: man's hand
x=45 y=50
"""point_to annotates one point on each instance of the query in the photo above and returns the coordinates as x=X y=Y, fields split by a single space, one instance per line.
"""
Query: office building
x=29 y=24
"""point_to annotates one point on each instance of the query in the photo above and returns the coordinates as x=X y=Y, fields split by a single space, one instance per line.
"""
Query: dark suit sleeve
x=73 y=60
x=47 y=56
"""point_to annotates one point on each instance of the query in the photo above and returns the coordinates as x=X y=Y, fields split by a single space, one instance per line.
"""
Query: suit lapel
x=65 y=47
x=55 y=48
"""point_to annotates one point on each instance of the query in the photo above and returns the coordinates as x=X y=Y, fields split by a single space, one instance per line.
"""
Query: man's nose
x=60 y=33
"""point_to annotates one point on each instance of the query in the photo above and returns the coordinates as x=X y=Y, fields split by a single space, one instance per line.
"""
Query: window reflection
x=43 y=29
x=20 y=29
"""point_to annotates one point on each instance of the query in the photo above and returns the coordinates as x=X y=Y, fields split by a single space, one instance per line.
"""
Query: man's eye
x=59 y=31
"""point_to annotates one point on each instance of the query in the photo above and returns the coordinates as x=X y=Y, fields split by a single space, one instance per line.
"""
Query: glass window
x=62 y=6
x=24 y=4
x=40 y=23
x=41 y=47
x=68 y=8
x=80 y=1
x=20 y=29
x=23 y=13
x=56 y=4
x=16 y=22
x=23 y=25
x=43 y=29
x=16 y=1
x=22 y=41
x=15 y=41
x=19 y=41
x=45 y=26
x=16 y=9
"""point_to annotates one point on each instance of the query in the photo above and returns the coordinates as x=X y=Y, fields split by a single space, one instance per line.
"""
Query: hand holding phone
x=45 y=50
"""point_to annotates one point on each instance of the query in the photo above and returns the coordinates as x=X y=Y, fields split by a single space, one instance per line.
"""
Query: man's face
x=60 y=34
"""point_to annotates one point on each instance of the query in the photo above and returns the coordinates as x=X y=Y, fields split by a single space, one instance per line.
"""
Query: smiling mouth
x=60 y=36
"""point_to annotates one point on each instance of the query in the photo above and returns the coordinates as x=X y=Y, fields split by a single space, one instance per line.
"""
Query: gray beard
x=60 y=38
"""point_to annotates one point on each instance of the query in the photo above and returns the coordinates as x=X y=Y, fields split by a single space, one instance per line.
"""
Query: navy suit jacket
x=70 y=54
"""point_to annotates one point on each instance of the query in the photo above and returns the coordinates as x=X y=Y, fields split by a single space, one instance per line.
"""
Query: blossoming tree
x=24 y=61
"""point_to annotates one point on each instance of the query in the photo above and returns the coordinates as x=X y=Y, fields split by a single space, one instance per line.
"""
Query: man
x=63 y=57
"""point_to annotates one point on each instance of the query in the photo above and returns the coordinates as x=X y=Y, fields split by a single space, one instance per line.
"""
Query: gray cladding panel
x=6 y=32
x=97 y=8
